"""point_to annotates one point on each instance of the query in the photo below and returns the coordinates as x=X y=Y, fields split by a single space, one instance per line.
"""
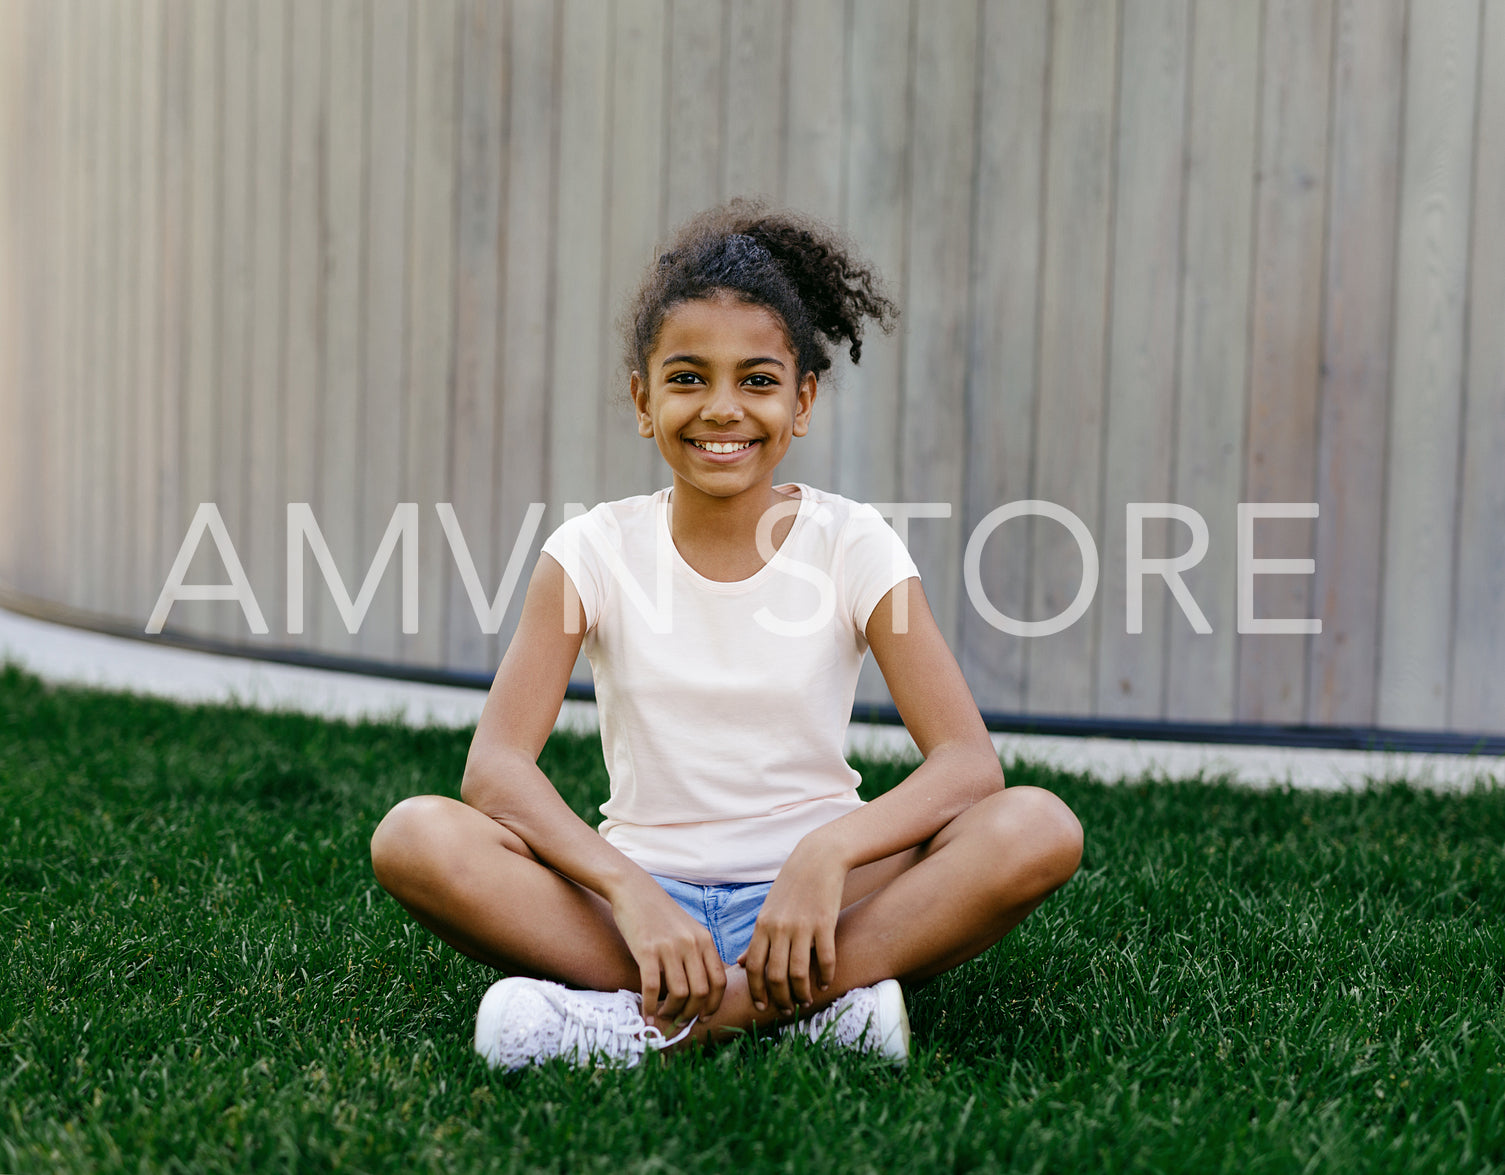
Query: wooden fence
x=361 y=252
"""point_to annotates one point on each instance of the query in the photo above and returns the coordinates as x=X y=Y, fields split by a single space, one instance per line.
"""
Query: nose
x=721 y=403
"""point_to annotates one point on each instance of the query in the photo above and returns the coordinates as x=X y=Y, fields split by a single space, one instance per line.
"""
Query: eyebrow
x=698 y=361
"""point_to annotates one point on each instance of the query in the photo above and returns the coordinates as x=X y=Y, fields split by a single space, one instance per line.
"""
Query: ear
x=804 y=402
x=639 y=390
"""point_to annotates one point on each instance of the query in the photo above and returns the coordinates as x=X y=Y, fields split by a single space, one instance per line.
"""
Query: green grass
x=199 y=973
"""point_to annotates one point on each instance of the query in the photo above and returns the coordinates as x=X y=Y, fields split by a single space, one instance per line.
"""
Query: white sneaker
x=525 y=1022
x=868 y=1019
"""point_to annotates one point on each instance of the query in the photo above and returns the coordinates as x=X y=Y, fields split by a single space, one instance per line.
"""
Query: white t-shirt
x=724 y=706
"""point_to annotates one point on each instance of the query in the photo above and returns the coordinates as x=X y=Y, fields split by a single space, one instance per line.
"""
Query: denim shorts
x=728 y=911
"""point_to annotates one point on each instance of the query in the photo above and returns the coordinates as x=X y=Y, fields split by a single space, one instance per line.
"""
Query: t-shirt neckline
x=732 y=585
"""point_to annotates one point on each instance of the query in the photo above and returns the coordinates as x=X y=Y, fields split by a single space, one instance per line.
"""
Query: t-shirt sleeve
x=577 y=547
x=874 y=561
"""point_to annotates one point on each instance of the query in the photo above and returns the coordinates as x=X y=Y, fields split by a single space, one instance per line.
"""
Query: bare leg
x=911 y=916
x=480 y=888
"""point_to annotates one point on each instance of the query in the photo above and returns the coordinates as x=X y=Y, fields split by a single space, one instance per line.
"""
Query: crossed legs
x=910 y=916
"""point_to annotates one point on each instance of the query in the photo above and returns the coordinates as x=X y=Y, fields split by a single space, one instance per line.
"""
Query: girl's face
x=723 y=397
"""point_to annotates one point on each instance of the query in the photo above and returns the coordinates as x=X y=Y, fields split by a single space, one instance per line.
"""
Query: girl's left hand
x=798 y=920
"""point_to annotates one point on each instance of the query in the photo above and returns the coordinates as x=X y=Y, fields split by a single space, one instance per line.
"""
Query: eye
x=759 y=379
x=684 y=378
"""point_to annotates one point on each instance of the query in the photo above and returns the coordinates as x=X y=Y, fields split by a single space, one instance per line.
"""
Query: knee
x=1050 y=830
x=407 y=837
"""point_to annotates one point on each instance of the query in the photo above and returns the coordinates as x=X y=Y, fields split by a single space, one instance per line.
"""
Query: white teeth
x=721 y=446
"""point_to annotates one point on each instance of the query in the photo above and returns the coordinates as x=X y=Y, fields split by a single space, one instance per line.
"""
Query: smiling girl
x=738 y=880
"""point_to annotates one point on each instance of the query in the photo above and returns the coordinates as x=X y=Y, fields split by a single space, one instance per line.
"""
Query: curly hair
x=801 y=270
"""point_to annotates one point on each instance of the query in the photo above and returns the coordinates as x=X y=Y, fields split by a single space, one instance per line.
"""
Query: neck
x=722 y=532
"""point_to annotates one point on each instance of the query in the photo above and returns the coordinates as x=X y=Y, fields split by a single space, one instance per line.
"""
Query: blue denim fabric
x=728 y=911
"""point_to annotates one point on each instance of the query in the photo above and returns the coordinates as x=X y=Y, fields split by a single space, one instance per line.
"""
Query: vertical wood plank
x=262 y=551
x=234 y=268
x=697 y=94
x=74 y=432
x=1285 y=341
x=1427 y=382
x=477 y=307
x=812 y=168
x=352 y=534
x=1478 y=638
x=1140 y=413
x=584 y=358
x=384 y=325
x=150 y=451
x=523 y=436
x=630 y=464
x=1074 y=293
x=201 y=396
x=755 y=101
x=1358 y=297
x=136 y=603
x=866 y=412
x=429 y=387
x=173 y=290
x=933 y=405
x=104 y=451
x=304 y=314
x=877 y=210
x=1213 y=358
x=14 y=270
x=1007 y=214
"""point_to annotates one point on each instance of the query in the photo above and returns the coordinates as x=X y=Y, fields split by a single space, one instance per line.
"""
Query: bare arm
x=675 y=955
x=960 y=768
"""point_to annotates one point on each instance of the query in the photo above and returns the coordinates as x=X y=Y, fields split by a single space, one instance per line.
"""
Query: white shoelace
x=593 y=1031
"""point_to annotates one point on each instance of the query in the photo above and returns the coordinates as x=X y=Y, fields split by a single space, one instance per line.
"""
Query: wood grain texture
x=933 y=414
x=814 y=154
x=635 y=224
x=107 y=405
x=1073 y=334
x=173 y=292
x=201 y=398
x=152 y=339
x=233 y=267
x=522 y=443
x=1214 y=349
x=1003 y=335
x=1358 y=300
x=1141 y=391
x=1286 y=341
x=1477 y=694
x=866 y=413
x=584 y=345
x=262 y=549
x=307 y=298
x=1425 y=407
x=473 y=456
x=384 y=326
x=429 y=382
x=339 y=390
x=696 y=119
x=756 y=105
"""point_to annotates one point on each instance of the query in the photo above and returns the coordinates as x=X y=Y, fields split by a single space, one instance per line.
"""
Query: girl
x=738 y=881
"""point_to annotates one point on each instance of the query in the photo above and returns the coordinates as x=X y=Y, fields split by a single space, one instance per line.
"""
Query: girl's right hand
x=676 y=957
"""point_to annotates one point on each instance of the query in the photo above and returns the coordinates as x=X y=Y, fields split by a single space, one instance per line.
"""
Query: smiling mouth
x=721 y=447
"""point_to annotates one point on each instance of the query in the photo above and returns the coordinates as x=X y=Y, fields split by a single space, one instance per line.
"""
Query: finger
x=648 y=974
x=800 y=952
x=715 y=973
x=677 y=990
x=755 y=959
x=777 y=973
x=825 y=957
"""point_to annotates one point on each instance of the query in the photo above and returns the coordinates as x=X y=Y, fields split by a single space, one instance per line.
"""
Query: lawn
x=199 y=974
